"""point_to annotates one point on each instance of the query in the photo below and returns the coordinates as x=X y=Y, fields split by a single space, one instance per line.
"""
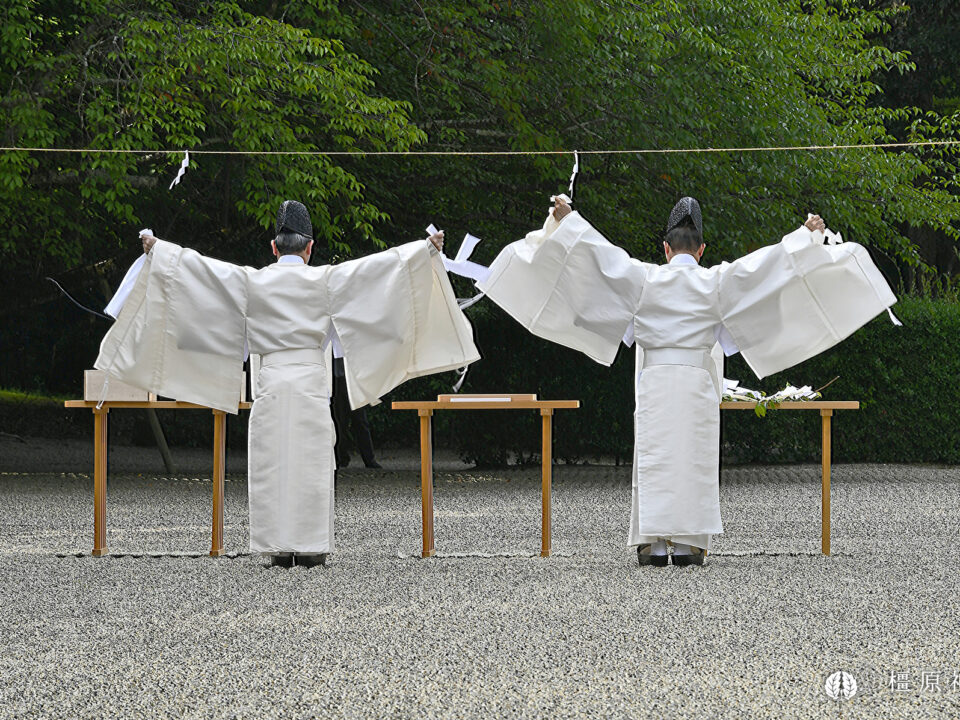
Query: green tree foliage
x=927 y=32
x=548 y=75
x=393 y=74
x=162 y=74
x=552 y=75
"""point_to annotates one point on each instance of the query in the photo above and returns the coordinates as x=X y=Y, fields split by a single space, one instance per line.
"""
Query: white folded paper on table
x=733 y=391
x=480 y=399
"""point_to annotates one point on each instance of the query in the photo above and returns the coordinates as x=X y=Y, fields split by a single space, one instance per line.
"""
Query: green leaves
x=708 y=73
x=202 y=76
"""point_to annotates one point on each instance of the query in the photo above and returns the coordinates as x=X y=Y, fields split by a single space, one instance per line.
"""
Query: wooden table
x=826 y=408
x=506 y=401
x=100 y=463
x=425 y=410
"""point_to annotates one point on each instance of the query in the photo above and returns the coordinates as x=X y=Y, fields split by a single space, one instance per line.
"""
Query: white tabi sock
x=681 y=549
x=659 y=547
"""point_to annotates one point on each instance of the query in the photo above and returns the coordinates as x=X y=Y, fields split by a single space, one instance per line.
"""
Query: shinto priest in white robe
x=778 y=306
x=182 y=332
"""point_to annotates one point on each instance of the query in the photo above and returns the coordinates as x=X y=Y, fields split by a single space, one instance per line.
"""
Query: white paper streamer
x=827 y=235
x=183 y=168
x=461 y=264
x=126 y=285
x=567 y=197
x=893 y=318
x=462 y=372
x=104 y=390
x=466 y=247
x=464 y=303
x=573 y=176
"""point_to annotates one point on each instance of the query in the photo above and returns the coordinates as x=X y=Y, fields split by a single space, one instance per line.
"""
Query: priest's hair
x=684 y=237
x=290 y=243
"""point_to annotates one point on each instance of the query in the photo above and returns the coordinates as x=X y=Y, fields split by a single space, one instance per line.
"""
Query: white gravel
x=488 y=628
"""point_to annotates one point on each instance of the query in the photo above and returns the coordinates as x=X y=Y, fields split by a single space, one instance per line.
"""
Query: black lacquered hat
x=293 y=216
x=685 y=207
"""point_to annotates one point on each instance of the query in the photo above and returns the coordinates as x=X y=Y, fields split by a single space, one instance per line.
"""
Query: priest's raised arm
x=566 y=283
x=180 y=332
x=788 y=302
x=396 y=316
x=778 y=306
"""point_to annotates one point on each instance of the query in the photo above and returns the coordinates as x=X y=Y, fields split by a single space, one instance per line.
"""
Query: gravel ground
x=487 y=628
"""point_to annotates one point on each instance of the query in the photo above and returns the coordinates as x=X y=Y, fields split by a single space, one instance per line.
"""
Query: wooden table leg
x=825 y=484
x=426 y=481
x=546 y=467
x=100 y=481
x=219 y=470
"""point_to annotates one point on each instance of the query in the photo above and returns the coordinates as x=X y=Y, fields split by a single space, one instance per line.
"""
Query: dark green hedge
x=906 y=378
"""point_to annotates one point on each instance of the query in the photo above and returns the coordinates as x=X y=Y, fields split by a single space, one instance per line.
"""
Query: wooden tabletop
x=485 y=404
x=155 y=404
x=795 y=405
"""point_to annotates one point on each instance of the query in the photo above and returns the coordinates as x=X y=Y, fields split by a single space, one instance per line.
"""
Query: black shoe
x=311 y=560
x=282 y=560
x=644 y=557
x=342 y=463
x=695 y=557
x=373 y=464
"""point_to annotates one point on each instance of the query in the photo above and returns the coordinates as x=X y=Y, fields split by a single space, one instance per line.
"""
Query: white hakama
x=675 y=477
x=290 y=456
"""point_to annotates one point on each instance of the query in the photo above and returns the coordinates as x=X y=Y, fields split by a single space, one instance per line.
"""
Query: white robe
x=779 y=306
x=183 y=330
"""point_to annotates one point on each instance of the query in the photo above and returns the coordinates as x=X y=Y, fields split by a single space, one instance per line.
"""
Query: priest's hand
x=814 y=223
x=437 y=240
x=148 y=242
x=560 y=209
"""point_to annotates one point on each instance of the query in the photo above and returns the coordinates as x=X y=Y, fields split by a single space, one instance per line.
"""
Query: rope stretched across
x=478 y=153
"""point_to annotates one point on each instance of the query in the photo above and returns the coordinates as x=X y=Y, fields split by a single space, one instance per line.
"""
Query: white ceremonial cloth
x=779 y=306
x=788 y=302
x=126 y=285
x=549 y=283
x=676 y=462
x=181 y=333
x=290 y=458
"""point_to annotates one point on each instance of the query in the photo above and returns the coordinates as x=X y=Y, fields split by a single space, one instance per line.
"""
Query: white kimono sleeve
x=180 y=332
x=788 y=302
x=568 y=284
x=396 y=318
